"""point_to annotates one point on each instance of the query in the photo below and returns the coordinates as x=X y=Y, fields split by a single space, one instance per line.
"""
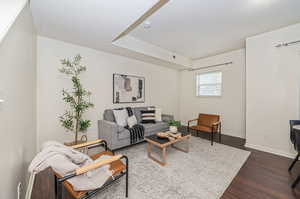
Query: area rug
x=203 y=173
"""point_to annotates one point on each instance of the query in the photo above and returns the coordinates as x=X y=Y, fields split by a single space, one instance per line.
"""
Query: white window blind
x=209 y=84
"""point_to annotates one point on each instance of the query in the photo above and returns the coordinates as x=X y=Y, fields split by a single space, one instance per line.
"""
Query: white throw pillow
x=131 y=121
x=158 y=113
x=121 y=117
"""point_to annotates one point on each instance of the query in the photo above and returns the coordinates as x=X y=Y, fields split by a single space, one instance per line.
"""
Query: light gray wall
x=231 y=105
x=18 y=112
x=161 y=85
x=273 y=76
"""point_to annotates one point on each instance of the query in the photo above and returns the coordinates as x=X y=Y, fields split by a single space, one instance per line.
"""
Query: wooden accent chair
x=60 y=188
x=207 y=123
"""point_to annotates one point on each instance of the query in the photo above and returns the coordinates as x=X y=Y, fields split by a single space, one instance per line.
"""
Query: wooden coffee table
x=163 y=143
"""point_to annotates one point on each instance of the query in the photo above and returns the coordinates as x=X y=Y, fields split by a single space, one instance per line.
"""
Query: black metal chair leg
x=126 y=195
x=294 y=162
x=296 y=182
x=212 y=138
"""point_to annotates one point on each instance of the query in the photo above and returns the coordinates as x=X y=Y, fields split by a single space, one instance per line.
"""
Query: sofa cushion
x=137 y=112
x=124 y=134
x=158 y=126
x=149 y=129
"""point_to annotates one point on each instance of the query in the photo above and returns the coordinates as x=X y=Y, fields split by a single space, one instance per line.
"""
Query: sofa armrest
x=108 y=130
x=167 y=118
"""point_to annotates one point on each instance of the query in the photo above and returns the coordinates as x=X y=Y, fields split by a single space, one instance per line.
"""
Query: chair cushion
x=201 y=128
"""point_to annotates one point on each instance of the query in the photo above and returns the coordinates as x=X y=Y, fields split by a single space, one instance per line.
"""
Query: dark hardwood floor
x=263 y=176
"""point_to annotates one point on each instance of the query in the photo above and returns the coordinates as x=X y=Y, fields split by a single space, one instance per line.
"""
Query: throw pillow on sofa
x=148 y=116
x=158 y=113
x=131 y=121
x=121 y=116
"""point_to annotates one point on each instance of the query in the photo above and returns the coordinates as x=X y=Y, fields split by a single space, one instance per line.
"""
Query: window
x=209 y=84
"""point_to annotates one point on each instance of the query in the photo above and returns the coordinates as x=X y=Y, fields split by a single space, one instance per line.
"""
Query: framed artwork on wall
x=128 y=89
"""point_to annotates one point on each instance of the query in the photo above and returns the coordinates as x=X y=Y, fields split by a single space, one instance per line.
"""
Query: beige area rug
x=203 y=173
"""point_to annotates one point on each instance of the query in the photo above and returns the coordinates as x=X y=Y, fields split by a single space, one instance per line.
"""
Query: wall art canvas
x=128 y=89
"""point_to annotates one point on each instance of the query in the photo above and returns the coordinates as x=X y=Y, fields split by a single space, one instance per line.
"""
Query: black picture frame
x=141 y=89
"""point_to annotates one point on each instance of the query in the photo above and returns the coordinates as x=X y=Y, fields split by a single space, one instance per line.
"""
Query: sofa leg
x=220 y=135
x=212 y=139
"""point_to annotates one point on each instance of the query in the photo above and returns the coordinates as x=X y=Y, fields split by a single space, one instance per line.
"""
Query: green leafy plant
x=174 y=123
x=77 y=99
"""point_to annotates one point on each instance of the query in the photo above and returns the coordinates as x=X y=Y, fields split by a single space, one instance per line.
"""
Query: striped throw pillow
x=148 y=116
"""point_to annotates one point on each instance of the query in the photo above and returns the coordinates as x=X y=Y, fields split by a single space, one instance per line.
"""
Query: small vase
x=173 y=129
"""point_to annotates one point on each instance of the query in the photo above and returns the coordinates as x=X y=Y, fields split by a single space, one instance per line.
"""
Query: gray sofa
x=117 y=136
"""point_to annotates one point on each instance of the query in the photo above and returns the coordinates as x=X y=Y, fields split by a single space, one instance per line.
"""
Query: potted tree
x=78 y=100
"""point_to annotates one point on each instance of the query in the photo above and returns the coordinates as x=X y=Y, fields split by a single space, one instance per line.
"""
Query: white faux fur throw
x=64 y=160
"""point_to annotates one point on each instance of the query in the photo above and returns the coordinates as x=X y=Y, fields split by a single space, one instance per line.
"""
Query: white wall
x=9 y=11
x=231 y=105
x=18 y=112
x=273 y=83
x=161 y=85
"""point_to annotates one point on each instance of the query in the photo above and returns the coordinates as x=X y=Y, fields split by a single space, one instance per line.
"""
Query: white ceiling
x=199 y=28
x=94 y=23
x=193 y=28
x=91 y=23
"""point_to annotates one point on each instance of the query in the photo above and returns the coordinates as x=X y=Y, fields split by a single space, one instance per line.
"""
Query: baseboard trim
x=270 y=150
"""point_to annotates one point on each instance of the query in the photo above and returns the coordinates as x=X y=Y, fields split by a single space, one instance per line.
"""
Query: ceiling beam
x=140 y=20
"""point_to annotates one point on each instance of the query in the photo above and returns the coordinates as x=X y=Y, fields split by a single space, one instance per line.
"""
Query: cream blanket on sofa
x=64 y=160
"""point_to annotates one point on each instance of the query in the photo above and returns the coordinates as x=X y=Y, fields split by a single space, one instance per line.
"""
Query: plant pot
x=173 y=129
